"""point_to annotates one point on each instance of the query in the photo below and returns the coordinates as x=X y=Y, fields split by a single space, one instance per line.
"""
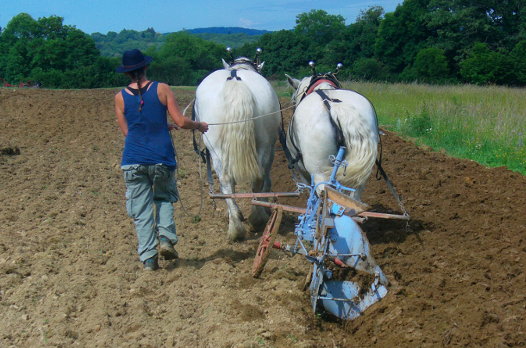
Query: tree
x=357 y=40
x=46 y=50
x=319 y=29
x=285 y=52
x=319 y=26
x=186 y=59
x=402 y=34
x=519 y=63
x=484 y=66
x=431 y=65
x=368 y=69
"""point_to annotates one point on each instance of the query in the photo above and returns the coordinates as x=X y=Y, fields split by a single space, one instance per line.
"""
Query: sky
x=166 y=16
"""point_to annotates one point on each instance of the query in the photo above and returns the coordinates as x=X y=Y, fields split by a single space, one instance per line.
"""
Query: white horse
x=320 y=120
x=246 y=111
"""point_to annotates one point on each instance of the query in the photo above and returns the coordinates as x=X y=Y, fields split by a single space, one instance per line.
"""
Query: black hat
x=133 y=60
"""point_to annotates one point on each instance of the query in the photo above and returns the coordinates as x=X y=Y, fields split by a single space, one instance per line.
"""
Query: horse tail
x=238 y=139
x=361 y=138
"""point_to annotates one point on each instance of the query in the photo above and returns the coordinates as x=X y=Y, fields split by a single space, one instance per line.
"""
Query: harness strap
x=299 y=156
x=340 y=139
x=233 y=75
x=283 y=140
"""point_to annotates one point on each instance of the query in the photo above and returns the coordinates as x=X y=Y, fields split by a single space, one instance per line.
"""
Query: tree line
x=431 y=41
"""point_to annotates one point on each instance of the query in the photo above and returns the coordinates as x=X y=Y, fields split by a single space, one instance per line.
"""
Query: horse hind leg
x=259 y=215
x=236 y=229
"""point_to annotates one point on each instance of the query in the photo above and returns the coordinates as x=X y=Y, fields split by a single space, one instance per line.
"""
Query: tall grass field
x=484 y=124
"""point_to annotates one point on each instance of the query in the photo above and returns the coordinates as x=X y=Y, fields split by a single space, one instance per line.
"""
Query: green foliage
x=56 y=55
x=518 y=55
x=368 y=69
x=432 y=41
x=114 y=44
x=185 y=59
x=318 y=29
x=285 y=51
x=431 y=64
x=319 y=26
x=419 y=125
x=483 y=66
x=234 y=40
x=401 y=35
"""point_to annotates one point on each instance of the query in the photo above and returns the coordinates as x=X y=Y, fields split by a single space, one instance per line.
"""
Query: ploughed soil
x=70 y=275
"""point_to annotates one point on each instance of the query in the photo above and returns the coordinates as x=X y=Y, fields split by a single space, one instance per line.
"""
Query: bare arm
x=167 y=98
x=119 y=114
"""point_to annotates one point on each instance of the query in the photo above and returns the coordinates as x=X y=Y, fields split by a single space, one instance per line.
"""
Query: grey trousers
x=150 y=193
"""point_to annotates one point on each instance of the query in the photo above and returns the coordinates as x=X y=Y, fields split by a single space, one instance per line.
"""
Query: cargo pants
x=150 y=193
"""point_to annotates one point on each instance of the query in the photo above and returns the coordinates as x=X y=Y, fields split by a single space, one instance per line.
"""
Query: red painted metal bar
x=254 y=195
x=364 y=214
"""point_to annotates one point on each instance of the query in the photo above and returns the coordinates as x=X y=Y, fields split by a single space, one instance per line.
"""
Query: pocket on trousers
x=132 y=178
x=165 y=186
x=129 y=206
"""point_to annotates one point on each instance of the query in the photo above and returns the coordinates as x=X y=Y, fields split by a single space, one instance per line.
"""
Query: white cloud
x=246 y=23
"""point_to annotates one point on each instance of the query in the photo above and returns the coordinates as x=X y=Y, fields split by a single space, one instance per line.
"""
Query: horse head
x=244 y=63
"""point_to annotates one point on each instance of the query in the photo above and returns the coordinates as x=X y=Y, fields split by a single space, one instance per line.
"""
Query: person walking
x=148 y=158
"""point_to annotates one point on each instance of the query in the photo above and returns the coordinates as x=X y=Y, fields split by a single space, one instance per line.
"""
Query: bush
x=368 y=69
x=419 y=125
x=484 y=66
x=431 y=65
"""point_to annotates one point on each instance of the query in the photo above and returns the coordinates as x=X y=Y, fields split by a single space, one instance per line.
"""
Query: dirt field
x=70 y=275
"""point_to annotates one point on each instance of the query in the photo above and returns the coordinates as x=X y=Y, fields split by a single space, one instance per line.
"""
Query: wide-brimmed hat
x=133 y=60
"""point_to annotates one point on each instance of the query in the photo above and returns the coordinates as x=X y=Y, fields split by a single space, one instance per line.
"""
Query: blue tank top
x=148 y=141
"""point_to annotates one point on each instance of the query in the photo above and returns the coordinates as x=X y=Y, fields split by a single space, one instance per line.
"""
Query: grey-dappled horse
x=244 y=116
x=325 y=118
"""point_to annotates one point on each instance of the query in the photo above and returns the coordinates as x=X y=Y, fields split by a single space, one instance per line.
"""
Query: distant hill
x=227 y=30
x=228 y=36
x=113 y=44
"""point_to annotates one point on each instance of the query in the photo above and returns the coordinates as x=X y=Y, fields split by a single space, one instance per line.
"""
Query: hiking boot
x=151 y=264
x=166 y=248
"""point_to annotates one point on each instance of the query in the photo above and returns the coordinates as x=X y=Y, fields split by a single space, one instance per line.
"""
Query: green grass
x=484 y=124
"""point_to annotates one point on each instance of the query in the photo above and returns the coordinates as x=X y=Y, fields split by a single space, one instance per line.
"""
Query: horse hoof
x=258 y=219
x=257 y=224
x=236 y=236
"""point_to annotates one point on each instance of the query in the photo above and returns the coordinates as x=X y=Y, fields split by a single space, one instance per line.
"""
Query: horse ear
x=260 y=66
x=225 y=64
x=293 y=82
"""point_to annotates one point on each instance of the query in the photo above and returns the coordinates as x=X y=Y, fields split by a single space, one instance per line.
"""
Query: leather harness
x=316 y=81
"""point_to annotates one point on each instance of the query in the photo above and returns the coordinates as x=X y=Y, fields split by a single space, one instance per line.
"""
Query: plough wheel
x=266 y=242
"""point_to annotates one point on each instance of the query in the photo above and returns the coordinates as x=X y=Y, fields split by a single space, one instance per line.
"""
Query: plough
x=345 y=279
